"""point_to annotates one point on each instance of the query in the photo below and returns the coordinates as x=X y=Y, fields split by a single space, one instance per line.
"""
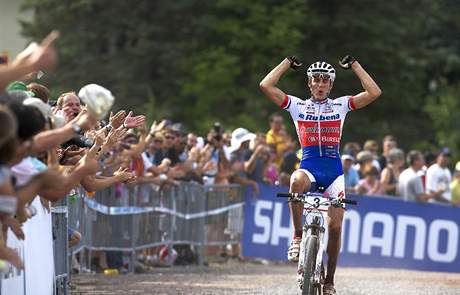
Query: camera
x=217 y=128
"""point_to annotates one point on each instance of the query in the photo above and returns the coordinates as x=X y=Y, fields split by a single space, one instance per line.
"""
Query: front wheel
x=311 y=250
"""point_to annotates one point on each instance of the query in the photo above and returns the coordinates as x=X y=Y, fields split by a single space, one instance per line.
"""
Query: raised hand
x=117 y=120
x=157 y=127
x=295 y=63
x=39 y=56
x=346 y=62
x=114 y=136
x=11 y=256
x=123 y=174
x=133 y=122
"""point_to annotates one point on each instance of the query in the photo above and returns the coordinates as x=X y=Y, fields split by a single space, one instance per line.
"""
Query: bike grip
x=350 y=202
x=283 y=195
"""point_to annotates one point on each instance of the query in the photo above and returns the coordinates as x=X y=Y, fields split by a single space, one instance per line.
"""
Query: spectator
x=370 y=184
x=365 y=159
x=191 y=141
x=352 y=149
x=242 y=159
x=350 y=174
x=276 y=138
x=438 y=177
x=388 y=143
x=39 y=91
x=410 y=183
x=271 y=170
x=69 y=105
x=290 y=163
x=455 y=186
x=390 y=174
x=373 y=147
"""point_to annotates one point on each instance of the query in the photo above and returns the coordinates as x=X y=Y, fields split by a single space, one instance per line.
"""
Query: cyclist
x=319 y=121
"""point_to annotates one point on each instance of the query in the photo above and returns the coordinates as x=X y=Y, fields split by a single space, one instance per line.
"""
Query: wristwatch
x=76 y=128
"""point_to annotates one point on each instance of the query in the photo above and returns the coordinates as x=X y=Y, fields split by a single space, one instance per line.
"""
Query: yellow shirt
x=280 y=147
x=455 y=189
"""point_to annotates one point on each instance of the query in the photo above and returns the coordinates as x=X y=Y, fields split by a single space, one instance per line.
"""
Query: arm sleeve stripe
x=286 y=103
x=351 y=103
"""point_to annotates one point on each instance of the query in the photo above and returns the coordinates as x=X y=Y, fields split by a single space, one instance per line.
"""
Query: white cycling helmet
x=321 y=68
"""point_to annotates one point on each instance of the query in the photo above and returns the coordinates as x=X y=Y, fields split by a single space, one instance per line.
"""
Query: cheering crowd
x=51 y=145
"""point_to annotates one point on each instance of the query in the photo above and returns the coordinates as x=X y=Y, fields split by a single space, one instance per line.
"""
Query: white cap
x=347 y=157
x=240 y=135
x=98 y=100
x=45 y=109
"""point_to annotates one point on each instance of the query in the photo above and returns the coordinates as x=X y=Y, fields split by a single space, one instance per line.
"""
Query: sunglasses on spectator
x=170 y=137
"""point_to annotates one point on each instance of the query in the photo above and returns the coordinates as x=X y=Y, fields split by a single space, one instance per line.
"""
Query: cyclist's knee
x=299 y=182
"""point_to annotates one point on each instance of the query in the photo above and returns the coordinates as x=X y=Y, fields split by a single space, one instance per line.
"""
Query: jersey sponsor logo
x=312 y=133
x=300 y=103
x=322 y=118
x=301 y=116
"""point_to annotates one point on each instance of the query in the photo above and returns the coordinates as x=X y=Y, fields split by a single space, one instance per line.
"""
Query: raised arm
x=267 y=85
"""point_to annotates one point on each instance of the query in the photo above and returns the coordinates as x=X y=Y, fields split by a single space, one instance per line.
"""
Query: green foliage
x=201 y=61
x=443 y=109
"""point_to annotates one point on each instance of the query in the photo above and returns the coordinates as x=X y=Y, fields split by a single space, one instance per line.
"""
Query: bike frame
x=315 y=213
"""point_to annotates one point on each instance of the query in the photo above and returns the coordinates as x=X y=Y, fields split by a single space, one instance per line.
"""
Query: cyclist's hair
x=413 y=156
x=395 y=155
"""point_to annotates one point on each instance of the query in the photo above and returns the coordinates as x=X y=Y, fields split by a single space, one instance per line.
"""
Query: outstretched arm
x=371 y=90
x=267 y=85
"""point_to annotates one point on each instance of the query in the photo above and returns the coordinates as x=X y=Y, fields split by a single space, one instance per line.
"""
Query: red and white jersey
x=319 y=124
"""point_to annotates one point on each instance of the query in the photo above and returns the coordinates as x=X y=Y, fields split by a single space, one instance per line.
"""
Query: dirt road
x=245 y=278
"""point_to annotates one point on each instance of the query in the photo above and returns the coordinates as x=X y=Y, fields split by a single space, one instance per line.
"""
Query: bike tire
x=311 y=250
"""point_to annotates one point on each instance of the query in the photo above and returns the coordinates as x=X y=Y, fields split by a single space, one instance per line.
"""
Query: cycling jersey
x=319 y=128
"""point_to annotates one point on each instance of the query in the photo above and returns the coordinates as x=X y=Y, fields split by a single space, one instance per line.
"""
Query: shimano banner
x=379 y=232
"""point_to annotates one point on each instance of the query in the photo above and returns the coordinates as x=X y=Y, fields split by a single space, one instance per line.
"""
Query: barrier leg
x=172 y=225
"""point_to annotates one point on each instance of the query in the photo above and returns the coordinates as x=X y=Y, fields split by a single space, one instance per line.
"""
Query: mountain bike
x=311 y=270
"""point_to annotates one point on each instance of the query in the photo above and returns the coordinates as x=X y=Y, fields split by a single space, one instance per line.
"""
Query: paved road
x=239 y=278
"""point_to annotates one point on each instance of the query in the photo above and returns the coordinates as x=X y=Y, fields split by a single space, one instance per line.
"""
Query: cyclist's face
x=320 y=87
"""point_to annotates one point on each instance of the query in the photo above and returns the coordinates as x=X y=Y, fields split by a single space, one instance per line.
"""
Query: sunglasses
x=320 y=75
x=170 y=137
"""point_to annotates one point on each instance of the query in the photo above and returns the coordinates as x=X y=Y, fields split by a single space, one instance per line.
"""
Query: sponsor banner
x=13 y=281
x=36 y=251
x=379 y=232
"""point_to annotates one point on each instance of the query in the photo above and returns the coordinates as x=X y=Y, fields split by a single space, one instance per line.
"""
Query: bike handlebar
x=296 y=195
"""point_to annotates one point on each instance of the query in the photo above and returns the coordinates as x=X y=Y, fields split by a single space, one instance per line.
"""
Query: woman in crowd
x=390 y=174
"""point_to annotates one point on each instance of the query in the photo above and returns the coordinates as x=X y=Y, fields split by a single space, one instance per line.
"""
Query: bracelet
x=163 y=177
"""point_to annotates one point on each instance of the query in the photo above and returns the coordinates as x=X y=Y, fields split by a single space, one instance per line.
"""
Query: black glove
x=346 y=62
x=295 y=63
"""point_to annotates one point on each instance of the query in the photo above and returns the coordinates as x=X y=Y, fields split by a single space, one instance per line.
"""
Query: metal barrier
x=129 y=219
x=59 y=214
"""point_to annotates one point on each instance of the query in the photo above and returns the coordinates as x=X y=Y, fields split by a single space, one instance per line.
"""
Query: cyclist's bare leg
x=299 y=184
x=333 y=244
